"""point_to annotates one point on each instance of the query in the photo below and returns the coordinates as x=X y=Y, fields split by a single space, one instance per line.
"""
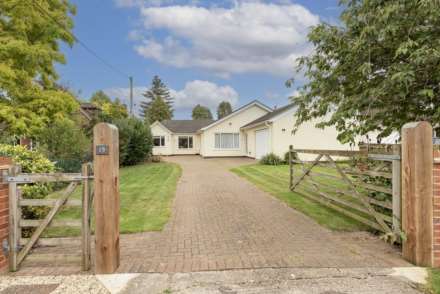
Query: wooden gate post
x=85 y=227
x=397 y=188
x=106 y=175
x=417 y=193
x=290 y=167
x=14 y=237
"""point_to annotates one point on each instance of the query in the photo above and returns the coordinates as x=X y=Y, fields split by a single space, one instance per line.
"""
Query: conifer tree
x=157 y=96
x=158 y=110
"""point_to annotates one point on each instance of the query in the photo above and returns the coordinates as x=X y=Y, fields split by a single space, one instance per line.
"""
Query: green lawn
x=434 y=281
x=275 y=180
x=146 y=193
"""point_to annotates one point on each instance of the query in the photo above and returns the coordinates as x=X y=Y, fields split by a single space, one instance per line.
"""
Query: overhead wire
x=79 y=41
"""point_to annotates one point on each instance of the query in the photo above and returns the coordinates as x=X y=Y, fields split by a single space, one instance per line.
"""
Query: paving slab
x=300 y=281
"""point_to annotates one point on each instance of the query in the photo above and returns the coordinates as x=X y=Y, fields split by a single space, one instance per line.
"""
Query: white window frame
x=235 y=141
x=160 y=141
x=188 y=137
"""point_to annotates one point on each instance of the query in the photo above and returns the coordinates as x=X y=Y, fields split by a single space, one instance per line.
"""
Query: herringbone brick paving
x=220 y=221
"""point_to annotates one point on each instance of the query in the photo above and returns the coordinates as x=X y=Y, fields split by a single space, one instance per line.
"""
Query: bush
x=135 y=141
x=30 y=162
x=66 y=144
x=271 y=159
x=286 y=156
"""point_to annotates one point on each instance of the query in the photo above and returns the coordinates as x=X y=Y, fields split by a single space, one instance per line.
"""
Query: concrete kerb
x=398 y=280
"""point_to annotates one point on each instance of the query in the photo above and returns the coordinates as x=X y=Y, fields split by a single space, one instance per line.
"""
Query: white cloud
x=124 y=95
x=294 y=93
x=195 y=92
x=205 y=93
x=247 y=37
x=135 y=35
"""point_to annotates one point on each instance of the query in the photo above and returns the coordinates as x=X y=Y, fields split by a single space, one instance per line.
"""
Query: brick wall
x=436 y=208
x=4 y=213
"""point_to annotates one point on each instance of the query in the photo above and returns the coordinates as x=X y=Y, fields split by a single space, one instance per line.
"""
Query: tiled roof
x=186 y=126
x=89 y=106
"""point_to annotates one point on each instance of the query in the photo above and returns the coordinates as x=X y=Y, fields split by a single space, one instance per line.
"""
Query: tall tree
x=224 y=109
x=29 y=48
x=111 y=110
x=157 y=90
x=158 y=111
x=375 y=72
x=201 y=112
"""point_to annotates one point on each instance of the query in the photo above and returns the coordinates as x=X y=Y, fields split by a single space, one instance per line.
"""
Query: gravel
x=66 y=284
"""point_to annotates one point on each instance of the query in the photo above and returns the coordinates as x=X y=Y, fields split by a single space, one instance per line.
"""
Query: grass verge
x=434 y=281
x=146 y=193
x=275 y=180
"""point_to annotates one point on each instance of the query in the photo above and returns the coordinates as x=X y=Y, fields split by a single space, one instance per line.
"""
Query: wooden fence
x=363 y=185
x=19 y=248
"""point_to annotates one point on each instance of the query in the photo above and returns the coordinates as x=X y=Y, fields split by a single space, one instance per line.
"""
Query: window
x=227 y=140
x=185 y=142
x=158 y=141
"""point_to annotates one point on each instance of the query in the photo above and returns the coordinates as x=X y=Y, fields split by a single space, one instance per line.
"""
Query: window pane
x=230 y=141
x=227 y=141
x=183 y=142
x=236 y=140
x=156 y=141
x=162 y=141
x=190 y=144
x=222 y=141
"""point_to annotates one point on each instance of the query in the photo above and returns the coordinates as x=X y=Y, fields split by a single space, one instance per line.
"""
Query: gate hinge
x=5 y=247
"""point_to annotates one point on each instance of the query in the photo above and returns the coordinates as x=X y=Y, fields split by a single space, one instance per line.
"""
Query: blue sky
x=205 y=51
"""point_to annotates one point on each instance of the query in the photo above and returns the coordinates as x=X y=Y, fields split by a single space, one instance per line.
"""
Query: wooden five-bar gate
x=19 y=247
x=104 y=196
x=364 y=185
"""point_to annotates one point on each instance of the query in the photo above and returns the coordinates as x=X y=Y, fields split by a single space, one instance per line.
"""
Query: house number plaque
x=102 y=149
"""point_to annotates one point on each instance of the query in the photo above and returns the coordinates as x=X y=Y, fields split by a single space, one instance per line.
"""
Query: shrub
x=286 y=156
x=135 y=141
x=66 y=144
x=30 y=162
x=271 y=159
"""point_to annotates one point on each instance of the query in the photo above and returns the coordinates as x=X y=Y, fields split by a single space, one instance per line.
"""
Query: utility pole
x=131 y=95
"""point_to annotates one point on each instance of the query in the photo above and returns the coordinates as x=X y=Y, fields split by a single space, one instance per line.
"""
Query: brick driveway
x=220 y=221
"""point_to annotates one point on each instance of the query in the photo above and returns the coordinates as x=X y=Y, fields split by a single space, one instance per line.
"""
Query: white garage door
x=261 y=143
